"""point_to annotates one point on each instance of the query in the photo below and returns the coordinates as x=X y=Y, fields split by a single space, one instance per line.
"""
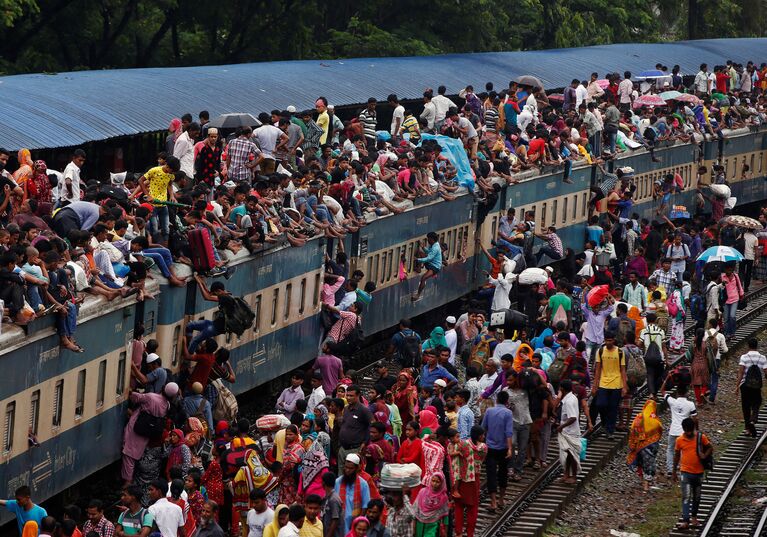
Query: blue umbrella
x=720 y=253
x=651 y=74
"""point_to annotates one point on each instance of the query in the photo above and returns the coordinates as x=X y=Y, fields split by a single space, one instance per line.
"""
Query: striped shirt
x=555 y=243
x=664 y=279
x=343 y=326
x=368 y=120
x=410 y=126
x=491 y=119
x=239 y=151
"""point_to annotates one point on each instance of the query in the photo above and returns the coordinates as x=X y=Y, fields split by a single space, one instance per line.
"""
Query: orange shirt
x=689 y=462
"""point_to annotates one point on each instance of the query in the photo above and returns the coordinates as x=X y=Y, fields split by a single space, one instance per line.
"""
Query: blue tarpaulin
x=453 y=149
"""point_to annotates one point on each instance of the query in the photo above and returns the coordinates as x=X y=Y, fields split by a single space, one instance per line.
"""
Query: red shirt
x=202 y=368
x=537 y=146
x=721 y=82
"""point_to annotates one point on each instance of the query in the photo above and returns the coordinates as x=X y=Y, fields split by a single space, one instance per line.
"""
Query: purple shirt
x=330 y=368
x=500 y=380
x=595 y=327
x=288 y=398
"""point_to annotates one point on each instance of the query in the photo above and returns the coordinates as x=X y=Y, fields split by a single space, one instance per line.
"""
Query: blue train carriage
x=282 y=286
x=51 y=398
x=378 y=248
x=744 y=157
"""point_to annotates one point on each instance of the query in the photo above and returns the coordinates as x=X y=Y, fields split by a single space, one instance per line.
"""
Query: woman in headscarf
x=26 y=165
x=699 y=366
x=431 y=507
x=377 y=452
x=359 y=527
x=195 y=499
x=179 y=453
x=39 y=186
x=524 y=353
x=30 y=529
x=314 y=466
x=406 y=396
x=292 y=454
x=279 y=521
x=436 y=339
x=644 y=436
x=675 y=307
x=253 y=475
x=308 y=432
x=174 y=131
x=212 y=478
x=428 y=421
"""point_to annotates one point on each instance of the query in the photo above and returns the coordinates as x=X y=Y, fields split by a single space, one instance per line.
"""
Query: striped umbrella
x=720 y=253
x=649 y=100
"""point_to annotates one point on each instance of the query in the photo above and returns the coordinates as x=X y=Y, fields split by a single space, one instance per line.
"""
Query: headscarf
x=40 y=186
x=25 y=167
x=315 y=460
x=431 y=506
x=427 y=420
x=273 y=529
x=406 y=398
x=436 y=339
x=354 y=525
x=196 y=432
x=175 y=128
x=30 y=529
x=636 y=315
x=646 y=429
x=518 y=360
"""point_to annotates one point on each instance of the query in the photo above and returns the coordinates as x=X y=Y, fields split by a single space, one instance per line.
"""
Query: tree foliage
x=58 y=35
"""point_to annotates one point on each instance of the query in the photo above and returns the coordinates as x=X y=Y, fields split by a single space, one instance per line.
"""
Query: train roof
x=40 y=111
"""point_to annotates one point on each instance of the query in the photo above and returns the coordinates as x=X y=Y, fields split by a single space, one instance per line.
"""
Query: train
x=63 y=413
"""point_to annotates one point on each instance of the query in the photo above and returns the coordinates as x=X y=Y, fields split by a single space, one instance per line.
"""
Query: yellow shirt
x=311 y=530
x=611 y=361
x=323 y=121
x=453 y=417
x=158 y=183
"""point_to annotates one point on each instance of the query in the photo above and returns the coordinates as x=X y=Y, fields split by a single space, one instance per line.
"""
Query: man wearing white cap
x=155 y=380
x=353 y=491
x=451 y=337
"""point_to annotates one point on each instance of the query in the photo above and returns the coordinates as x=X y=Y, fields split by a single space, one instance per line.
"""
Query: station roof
x=67 y=109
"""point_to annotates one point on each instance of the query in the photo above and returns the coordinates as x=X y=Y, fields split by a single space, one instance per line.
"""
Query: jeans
x=162 y=258
x=549 y=251
x=159 y=223
x=670 y=453
x=608 y=401
x=713 y=385
x=521 y=440
x=730 y=314
x=33 y=297
x=691 y=487
x=503 y=244
x=596 y=144
x=611 y=137
x=67 y=323
x=497 y=466
x=207 y=329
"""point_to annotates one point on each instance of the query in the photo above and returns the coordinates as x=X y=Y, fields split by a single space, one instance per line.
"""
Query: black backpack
x=706 y=462
x=653 y=355
x=753 y=377
x=409 y=353
x=149 y=425
x=238 y=317
x=352 y=342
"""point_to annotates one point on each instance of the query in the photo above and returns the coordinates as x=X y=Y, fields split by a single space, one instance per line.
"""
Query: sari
x=406 y=399
x=376 y=455
x=315 y=464
x=26 y=166
x=179 y=455
x=292 y=455
x=635 y=314
x=644 y=436
x=676 y=339
x=431 y=508
x=39 y=186
x=433 y=458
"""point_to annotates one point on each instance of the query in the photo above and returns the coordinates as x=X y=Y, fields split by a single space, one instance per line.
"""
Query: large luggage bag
x=201 y=248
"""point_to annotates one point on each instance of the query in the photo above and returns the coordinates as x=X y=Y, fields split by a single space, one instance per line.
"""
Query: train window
x=409 y=260
x=174 y=347
x=317 y=288
x=101 y=388
x=303 y=296
x=751 y=167
x=390 y=266
x=58 y=402
x=80 y=401
x=121 y=365
x=453 y=251
x=275 y=301
x=288 y=293
x=369 y=270
x=10 y=422
x=34 y=412
x=761 y=161
x=494 y=227
x=584 y=201
x=450 y=248
x=149 y=322
x=384 y=257
x=564 y=210
x=257 y=311
x=575 y=206
x=460 y=239
x=554 y=208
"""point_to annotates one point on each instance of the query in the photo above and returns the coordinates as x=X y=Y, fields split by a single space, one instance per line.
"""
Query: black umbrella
x=232 y=121
x=529 y=80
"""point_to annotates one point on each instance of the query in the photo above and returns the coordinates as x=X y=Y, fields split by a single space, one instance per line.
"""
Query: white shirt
x=501 y=300
x=701 y=82
x=507 y=346
x=399 y=113
x=681 y=409
x=258 y=521
x=168 y=516
x=624 y=91
x=315 y=398
x=267 y=136
x=752 y=358
x=71 y=175
x=289 y=530
x=581 y=94
x=451 y=336
x=349 y=298
x=442 y=104
x=752 y=243
x=429 y=114
x=570 y=410
x=464 y=123
x=184 y=152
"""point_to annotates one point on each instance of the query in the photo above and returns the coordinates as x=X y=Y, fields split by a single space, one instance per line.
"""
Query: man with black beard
x=208 y=526
x=353 y=490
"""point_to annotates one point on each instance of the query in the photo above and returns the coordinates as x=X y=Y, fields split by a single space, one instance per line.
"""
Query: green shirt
x=133 y=522
x=557 y=300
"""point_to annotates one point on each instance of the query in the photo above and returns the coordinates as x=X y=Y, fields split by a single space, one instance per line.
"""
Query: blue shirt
x=499 y=424
x=433 y=256
x=349 y=504
x=428 y=376
x=37 y=514
x=465 y=422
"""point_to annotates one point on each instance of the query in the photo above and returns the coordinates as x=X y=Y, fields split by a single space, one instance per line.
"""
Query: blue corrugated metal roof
x=45 y=111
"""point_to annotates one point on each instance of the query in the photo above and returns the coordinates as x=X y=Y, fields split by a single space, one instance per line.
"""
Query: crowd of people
x=471 y=395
